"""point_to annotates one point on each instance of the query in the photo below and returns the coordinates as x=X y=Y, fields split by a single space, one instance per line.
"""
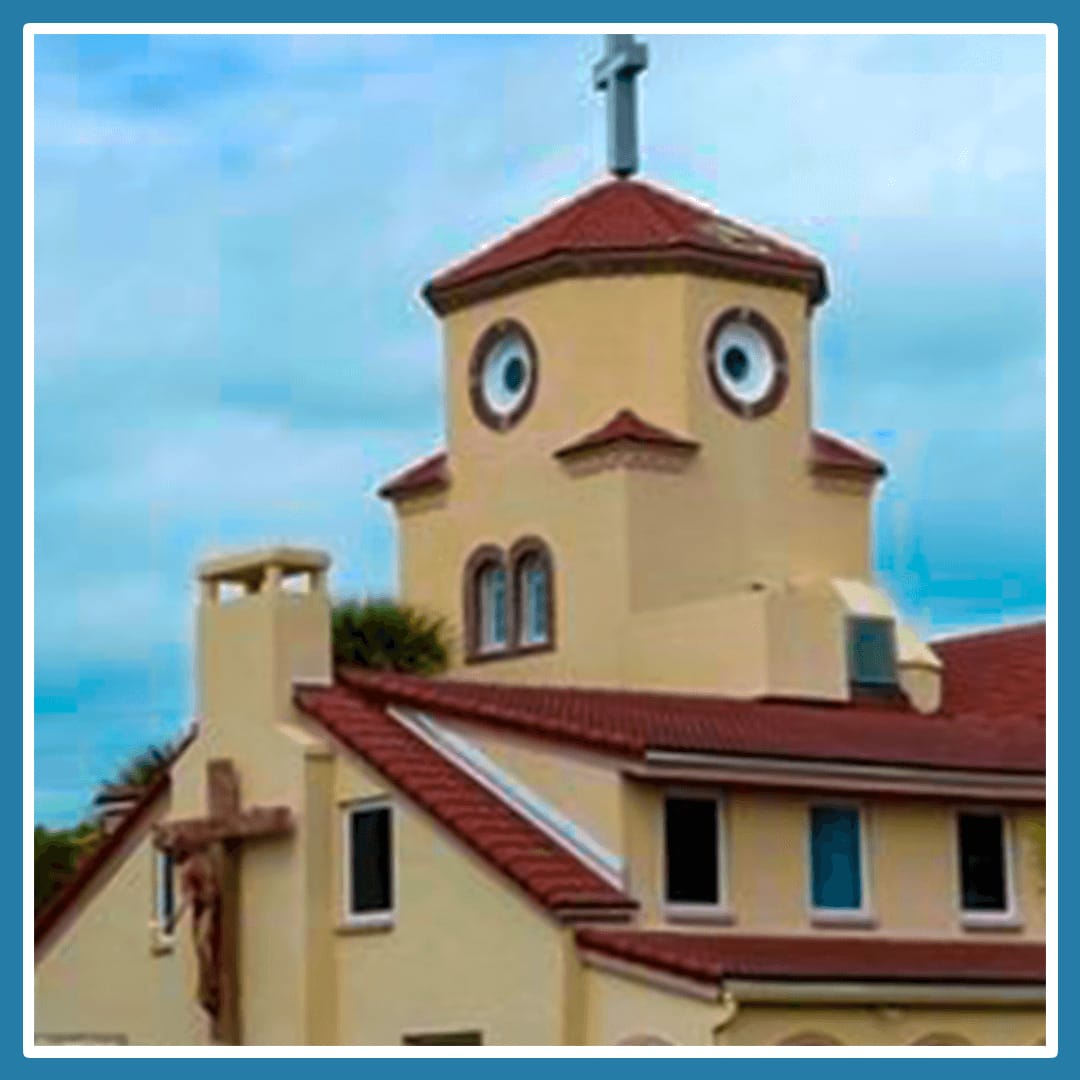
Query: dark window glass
x=166 y=889
x=871 y=652
x=372 y=867
x=692 y=846
x=835 y=858
x=982 y=862
x=445 y=1038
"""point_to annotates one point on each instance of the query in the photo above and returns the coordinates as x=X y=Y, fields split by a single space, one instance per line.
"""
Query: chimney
x=263 y=626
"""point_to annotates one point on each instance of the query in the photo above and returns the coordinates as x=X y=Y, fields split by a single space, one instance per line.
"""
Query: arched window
x=942 y=1038
x=492 y=607
x=486 y=588
x=534 y=606
x=810 y=1038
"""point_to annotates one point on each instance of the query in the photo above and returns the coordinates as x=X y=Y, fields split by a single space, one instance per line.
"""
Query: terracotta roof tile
x=429 y=474
x=998 y=676
x=620 y=221
x=627 y=426
x=549 y=873
x=830 y=453
x=973 y=732
x=714 y=957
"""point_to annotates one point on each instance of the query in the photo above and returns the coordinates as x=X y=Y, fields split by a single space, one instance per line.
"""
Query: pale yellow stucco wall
x=467 y=950
x=882 y=1024
x=912 y=875
x=653 y=569
x=626 y=1009
x=98 y=973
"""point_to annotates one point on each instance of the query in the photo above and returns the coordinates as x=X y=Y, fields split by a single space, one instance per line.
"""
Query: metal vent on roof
x=871 y=652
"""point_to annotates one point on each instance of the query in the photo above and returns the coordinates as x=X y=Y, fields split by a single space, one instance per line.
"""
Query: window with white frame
x=164 y=891
x=692 y=852
x=984 y=867
x=369 y=861
x=836 y=859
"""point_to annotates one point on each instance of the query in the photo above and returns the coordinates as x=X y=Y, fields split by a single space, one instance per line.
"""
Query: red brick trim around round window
x=487 y=341
x=530 y=546
x=749 y=410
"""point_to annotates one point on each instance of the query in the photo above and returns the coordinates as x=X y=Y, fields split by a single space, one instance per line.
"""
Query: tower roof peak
x=626 y=225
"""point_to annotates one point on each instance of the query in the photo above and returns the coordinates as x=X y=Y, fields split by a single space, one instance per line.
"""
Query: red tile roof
x=630 y=722
x=626 y=225
x=627 y=426
x=997 y=675
x=831 y=454
x=492 y=828
x=714 y=957
x=429 y=474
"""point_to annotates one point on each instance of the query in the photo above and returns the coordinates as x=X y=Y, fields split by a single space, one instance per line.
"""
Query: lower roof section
x=714 y=958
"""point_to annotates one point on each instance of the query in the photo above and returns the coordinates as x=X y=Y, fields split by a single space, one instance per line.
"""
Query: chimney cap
x=243 y=566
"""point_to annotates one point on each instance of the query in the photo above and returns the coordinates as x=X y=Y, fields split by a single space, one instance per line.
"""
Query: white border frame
x=1047 y=31
x=1011 y=918
x=862 y=916
x=680 y=912
x=387 y=917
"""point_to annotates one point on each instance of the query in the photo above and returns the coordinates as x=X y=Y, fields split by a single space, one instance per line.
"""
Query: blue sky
x=231 y=233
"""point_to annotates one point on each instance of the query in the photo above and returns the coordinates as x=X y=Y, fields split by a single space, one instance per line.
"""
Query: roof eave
x=447 y=295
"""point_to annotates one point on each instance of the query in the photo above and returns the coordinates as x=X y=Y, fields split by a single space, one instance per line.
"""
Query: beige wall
x=99 y=973
x=625 y=1009
x=654 y=568
x=467 y=950
x=885 y=1025
x=912 y=871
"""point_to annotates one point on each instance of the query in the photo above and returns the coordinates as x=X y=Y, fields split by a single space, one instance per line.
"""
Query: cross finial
x=623 y=60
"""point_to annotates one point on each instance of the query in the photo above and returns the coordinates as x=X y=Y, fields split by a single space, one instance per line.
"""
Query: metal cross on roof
x=615 y=73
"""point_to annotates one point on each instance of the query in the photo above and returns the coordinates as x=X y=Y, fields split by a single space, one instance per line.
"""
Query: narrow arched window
x=535 y=586
x=486 y=603
x=530 y=560
x=491 y=594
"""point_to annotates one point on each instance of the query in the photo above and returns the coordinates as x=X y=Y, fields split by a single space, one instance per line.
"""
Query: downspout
x=729 y=1009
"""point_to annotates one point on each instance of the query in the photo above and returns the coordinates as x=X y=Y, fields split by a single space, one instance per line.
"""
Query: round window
x=746 y=362
x=503 y=375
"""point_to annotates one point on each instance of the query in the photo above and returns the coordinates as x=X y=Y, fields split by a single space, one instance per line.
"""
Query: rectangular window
x=871 y=653
x=165 y=891
x=445 y=1038
x=835 y=858
x=983 y=876
x=370 y=886
x=692 y=851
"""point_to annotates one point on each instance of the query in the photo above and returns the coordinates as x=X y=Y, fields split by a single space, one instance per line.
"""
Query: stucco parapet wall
x=244 y=566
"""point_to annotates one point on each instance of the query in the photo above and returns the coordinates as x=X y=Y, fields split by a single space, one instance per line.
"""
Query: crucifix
x=206 y=853
x=622 y=62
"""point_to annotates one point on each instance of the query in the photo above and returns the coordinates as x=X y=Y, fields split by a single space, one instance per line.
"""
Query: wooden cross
x=206 y=852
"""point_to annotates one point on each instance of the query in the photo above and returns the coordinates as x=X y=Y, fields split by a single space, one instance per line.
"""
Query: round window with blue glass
x=746 y=362
x=503 y=374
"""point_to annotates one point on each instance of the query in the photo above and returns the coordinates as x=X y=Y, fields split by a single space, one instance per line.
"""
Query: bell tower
x=632 y=492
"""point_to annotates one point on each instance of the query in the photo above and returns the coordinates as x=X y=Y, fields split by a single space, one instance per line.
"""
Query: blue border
x=1066 y=16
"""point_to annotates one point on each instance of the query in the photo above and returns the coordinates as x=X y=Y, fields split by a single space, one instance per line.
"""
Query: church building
x=690 y=778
